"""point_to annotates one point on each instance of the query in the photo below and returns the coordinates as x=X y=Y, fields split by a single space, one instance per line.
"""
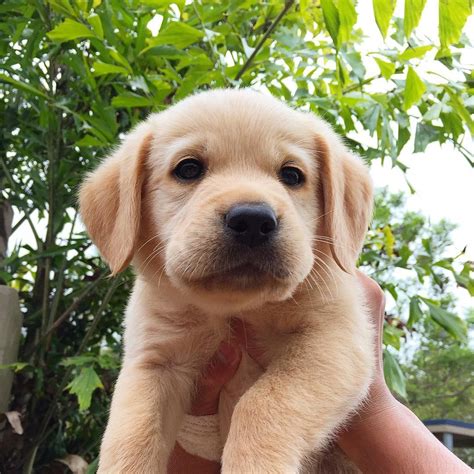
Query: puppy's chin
x=241 y=289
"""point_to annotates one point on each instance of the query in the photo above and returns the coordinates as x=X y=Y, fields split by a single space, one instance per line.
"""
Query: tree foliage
x=440 y=379
x=75 y=74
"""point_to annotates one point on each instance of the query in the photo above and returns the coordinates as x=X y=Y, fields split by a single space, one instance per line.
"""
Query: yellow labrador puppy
x=231 y=204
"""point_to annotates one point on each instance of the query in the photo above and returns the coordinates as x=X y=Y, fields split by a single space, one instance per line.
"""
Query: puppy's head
x=231 y=196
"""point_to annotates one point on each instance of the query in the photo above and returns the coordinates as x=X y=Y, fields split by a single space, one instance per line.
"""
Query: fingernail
x=227 y=353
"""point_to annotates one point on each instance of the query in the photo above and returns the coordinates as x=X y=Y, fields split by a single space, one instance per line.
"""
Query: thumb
x=219 y=371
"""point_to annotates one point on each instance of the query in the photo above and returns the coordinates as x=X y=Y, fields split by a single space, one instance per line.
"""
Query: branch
x=464 y=151
x=214 y=51
x=353 y=87
x=85 y=293
x=18 y=224
x=60 y=284
x=53 y=405
x=13 y=185
x=288 y=5
x=75 y=303
x=456 y=394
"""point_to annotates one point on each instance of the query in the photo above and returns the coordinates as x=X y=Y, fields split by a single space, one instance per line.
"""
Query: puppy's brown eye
x=291 y=176
x=189 y=169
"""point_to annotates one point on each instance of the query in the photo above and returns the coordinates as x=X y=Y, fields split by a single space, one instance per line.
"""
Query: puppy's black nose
x=251 y=224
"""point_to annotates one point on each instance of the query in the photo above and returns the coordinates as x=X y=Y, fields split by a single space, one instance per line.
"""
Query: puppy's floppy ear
x=347 y=195
x=110 y=199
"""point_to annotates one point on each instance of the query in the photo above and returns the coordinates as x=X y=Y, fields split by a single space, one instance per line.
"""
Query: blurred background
x=394 y=78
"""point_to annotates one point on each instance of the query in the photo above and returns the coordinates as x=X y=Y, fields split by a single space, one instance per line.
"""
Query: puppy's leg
x=147 y=407
x=307 y=392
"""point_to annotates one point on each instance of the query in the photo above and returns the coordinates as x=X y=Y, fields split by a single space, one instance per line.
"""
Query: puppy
x=231 y=204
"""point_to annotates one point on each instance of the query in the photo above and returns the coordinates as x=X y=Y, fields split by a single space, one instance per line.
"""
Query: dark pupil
x=189 y=169
x=291 y=176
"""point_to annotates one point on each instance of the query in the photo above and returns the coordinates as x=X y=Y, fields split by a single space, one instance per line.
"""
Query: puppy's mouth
x=240 y=270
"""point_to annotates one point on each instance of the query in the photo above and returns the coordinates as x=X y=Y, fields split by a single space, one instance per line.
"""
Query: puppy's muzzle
x=251 y=224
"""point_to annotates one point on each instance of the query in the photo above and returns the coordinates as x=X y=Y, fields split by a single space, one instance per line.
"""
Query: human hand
x=219 y=371
x=379 y=397
x=385 y=436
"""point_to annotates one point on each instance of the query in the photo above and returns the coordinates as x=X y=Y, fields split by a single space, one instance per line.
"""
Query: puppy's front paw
x=256 y=466
x=246 y=457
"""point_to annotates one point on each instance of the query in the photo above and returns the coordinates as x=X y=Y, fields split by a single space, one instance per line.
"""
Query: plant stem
x=67 y=312
x=60 y=282
x=13 y=185
x=62 y=385
x=288 y=5
x=354 y=87
x=214 y=51
x=75 y=303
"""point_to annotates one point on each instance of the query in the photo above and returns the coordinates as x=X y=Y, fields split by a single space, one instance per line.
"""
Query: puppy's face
x=227 y=194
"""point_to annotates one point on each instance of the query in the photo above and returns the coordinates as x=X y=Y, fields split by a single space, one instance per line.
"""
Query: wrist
x=378 y=400
x=371 y=417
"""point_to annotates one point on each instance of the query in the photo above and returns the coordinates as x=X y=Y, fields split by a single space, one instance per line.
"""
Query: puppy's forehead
x=237 y=127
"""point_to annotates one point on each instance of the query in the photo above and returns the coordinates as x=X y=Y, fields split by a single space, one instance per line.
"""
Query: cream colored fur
x=306 y=310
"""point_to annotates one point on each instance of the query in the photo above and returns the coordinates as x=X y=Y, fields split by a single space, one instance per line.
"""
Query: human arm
x=385 y=436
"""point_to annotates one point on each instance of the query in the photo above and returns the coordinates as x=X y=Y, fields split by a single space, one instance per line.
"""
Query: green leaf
x=464 y=278
x=392 y=336
x=403 y=137
x=393 y=374
x=414 y=89
x=460 y=108
x=433 y=112
x=417 y=52
x=383 y=11
x=165 y=51
x=415 y=313
x=93 y=466
x=62 y=6
x=83 y=386
x=70 y=30
x=177 y=34
x=15 y=366
x=371 y=117
x=119 y=58
x=5 y=276
x=425 y=134
x=100 y=69
x=390 y=287
x=331 y=19
x=96 y=23
x=79 y=361
x=22 y=85
x=355 y=61
x=386 y=69
x=452 y=17
x=412 y=15
x=389 y=240
x=109 y=360
x=347 y=19
x=131 y=100
x=452 y=323
x=89 y=140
